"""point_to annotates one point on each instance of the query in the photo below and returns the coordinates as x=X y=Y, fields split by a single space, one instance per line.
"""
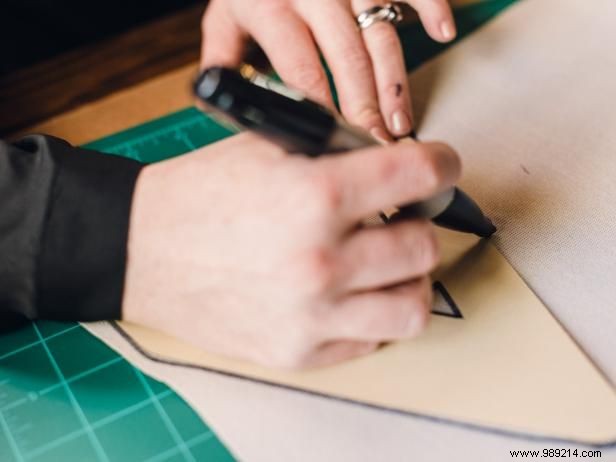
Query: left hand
x=367 y=65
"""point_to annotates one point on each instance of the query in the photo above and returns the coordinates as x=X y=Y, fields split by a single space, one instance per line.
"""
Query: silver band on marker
x=390 y=12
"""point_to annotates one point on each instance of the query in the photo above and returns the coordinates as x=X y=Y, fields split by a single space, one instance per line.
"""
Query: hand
x=248 y=252
x=368 y=66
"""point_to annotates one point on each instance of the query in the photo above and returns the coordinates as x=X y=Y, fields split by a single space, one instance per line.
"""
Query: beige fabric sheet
x=530 y=103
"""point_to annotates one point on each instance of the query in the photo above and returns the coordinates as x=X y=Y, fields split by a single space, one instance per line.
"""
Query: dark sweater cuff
x=83 y=251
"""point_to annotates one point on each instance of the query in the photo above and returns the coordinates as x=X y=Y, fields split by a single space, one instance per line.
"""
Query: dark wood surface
x=33 y=94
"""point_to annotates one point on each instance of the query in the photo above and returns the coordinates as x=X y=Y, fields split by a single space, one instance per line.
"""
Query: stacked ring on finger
x=390 y=12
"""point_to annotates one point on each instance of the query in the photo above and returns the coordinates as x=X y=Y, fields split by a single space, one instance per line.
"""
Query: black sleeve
x=64 y=216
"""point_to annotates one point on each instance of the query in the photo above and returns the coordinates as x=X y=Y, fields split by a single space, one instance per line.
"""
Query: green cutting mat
x=66 y=396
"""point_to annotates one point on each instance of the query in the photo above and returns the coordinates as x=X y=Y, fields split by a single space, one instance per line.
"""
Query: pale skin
x=249 y=252
x=367 y=66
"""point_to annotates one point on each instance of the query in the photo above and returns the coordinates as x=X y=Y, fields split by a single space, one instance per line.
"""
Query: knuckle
x=355 y=58
x=429 y=248
x=397 y=323
x=307 y=76
x=429 y=169
x=420 y=319
x=367 y=115
x=397 y=242
x=317 y=270
x=309 y=324
x=384 y=36
x=404 y=321
x=265 y=10
x=325 y=192
x=388 y=167
x=311 y=274
x=419 y=313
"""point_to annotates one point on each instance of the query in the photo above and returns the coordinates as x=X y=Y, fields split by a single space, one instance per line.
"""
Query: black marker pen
x=302 y=126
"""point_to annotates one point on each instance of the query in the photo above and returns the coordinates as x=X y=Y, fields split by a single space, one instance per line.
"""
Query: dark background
x=34 y=30
x=56 y=55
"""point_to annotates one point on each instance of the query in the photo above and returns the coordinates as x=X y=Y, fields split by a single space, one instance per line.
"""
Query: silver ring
x=390 y=12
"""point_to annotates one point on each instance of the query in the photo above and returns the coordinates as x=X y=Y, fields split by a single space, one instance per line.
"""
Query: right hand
x=246 y=251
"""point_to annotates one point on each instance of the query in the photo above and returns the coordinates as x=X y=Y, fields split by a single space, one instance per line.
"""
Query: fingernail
x=380 y=135
x=400 y=123
x=447 y=31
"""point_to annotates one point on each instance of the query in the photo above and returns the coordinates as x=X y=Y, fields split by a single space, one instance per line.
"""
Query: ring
x=390 y=12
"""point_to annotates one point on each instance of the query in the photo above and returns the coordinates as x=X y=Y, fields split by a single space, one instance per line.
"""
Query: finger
x=436 y=17
x=292 y=52
x=390 y=75
x=395 y=313
x=338 y=351
x=363 y=182
x=334 y=29
x=387 y=255
x=222 y=39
